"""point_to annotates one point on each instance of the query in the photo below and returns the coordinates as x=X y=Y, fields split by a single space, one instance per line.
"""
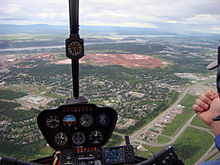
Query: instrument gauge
x=103 y=119
x=69 y=120
x=60 y=139
x=74 y=48
x=78 y=138
x=86 y=120
x=95 y=137
x=52 y=121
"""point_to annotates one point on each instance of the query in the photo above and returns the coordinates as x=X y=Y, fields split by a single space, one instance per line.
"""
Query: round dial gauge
x=69 y=120
x=78 y=138
x=95 y=137
x=61 y=139
x=74 y=48
x=86 y=120
x=52 y=121
x=103 y=119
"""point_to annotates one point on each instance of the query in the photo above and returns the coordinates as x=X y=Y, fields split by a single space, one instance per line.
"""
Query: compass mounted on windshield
x=74 y=45
x=74 y=48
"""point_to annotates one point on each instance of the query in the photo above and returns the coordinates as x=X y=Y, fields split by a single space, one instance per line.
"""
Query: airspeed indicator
x=52 y=121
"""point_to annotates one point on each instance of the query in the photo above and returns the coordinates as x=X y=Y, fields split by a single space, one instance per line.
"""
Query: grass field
x=192 y=144
x=162 y=139
x=148 y=154
x=115 y=140
x=10 y=95
x=46 y=151
x=173 y=127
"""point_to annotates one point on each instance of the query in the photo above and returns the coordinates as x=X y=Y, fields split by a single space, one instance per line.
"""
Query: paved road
x=135 y=135
x=207 y=155
x=173 y=139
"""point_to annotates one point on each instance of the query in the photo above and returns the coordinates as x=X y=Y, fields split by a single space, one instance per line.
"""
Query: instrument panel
x=76 y=125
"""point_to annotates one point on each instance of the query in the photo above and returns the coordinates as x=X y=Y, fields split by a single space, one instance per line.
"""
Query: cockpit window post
x=74 y=46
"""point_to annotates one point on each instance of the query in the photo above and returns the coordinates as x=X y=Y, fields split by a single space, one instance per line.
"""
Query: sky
x=181 y=16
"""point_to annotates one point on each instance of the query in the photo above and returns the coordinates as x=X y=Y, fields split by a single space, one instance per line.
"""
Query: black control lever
x=127 y=140
x=167 y=156
x=5 y=160
x=213 y=66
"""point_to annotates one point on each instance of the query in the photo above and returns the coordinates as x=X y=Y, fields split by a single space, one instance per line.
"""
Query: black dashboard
x=78 y=133
x=77 y=126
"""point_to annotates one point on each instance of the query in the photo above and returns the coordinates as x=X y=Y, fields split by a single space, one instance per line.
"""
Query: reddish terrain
x=126 y=60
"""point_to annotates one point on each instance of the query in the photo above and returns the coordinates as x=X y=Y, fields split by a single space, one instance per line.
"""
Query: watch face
x=74 y=48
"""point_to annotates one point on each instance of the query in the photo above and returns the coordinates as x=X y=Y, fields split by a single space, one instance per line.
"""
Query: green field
x=11 y=95
x=162 y=139
x=192 y=144
x=45 y=151
x=8 y=110
x=173 y=127
x=149 y=153
x=115 y=140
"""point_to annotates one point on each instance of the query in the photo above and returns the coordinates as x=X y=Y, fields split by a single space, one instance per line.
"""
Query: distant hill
x=30 y=29
x=43 y=28
x=91 y=30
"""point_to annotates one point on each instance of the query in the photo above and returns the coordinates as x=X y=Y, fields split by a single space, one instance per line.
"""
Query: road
x=136 y=134
x=207 y=155
x=173 y=139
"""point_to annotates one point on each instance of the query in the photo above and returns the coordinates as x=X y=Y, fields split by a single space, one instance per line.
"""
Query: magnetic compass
x=74 y=48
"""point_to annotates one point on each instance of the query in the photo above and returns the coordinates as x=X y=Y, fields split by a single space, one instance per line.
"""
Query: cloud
x=193 y=15
x=203 y=18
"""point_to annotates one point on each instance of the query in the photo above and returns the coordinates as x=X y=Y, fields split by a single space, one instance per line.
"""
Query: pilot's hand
x=207 y=107
x=204 y=101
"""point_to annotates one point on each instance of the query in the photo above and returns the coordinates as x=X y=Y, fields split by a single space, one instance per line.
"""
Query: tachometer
x=52 y=121
x=61 y=139
x=95 y=137
x=86 y=120
x=78 y=138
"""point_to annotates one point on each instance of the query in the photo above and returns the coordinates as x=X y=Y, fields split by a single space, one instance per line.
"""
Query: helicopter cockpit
x=77 y=131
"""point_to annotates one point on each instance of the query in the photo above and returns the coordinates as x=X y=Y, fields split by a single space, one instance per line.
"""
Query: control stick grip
x=165 y=156
x=127 y=140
